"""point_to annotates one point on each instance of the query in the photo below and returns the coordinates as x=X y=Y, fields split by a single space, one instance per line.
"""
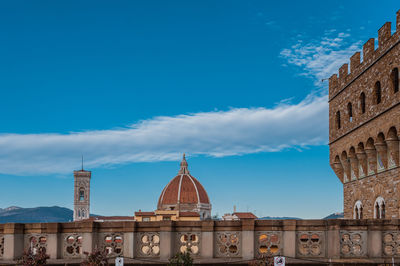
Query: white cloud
x=319 y=59
x=218 y=133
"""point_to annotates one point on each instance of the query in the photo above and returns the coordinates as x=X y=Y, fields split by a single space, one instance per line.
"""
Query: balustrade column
x=53 y=250
x=88 y=239
x=13 y=241
x=166 y=240
x=289 y=238
x=129 y=239
x=248 y=239
x=207 y=239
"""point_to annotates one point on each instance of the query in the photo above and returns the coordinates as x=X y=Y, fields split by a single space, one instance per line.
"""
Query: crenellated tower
x=364 y=120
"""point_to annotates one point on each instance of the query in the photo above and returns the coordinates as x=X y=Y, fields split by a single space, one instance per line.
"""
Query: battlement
x=369 y=55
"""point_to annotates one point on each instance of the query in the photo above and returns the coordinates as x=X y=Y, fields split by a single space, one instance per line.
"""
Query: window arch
x=362 y=102
x=378 y=92
x=395 y=79
x=350 y=112
x=83 y=214
x=81 y=194
x=379 y=208
x=338 y=119
x=79 y=213
x=358 y=210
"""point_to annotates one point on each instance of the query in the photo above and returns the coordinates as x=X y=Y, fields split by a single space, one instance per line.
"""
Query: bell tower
x=81 y=194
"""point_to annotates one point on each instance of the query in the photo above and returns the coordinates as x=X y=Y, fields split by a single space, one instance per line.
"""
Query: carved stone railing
x=346 y=241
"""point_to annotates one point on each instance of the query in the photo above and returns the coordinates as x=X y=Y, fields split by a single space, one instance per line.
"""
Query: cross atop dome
x=184 y=167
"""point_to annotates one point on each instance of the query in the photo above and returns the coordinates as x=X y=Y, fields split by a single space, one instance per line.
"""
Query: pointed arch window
x=358 y=210
x=338 y=119
x=379 y=208
x=378 y=92
x=350 y=111
x=362 y=102
x=81 y=194
x=395 y=79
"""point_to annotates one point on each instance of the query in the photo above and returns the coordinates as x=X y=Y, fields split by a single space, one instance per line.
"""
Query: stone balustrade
x=307 y=241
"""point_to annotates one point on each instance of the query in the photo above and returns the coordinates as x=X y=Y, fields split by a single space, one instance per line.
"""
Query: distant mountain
x=35 y=215
x=337 y=215
x=279 y=218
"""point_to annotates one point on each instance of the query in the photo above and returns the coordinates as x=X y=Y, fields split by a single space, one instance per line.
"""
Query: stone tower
x=364 y=124
x=81 y=194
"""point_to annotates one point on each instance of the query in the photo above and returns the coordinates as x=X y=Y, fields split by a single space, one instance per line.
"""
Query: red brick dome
x=183 y=190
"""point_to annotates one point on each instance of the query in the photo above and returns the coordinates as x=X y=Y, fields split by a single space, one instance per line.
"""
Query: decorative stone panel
x=268 y=243
x=188 y=241
x=391 y=244
x=310 y=244
x=1 y=246
x=112 y=243
x=148 y=244
x=35 y=242
x=72 y=245
x=228 y=244
x=353 y=243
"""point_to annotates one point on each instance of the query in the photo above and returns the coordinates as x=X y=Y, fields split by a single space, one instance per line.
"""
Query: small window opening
x=362 y=102
x=350 y=112
x=81 y=195
x=395 y=79
x=378 y=92
x=338 y=119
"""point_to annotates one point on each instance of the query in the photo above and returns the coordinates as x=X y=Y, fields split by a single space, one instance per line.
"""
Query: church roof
x=183 y=189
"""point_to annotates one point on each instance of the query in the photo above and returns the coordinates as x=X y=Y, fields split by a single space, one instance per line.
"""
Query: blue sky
x=134 y=84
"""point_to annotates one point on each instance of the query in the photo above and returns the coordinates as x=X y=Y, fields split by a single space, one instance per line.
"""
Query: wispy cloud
x=319 y=59
x=218 y=133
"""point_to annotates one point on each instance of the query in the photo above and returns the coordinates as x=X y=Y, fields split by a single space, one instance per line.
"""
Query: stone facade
x=364 y=119
x=216 y=242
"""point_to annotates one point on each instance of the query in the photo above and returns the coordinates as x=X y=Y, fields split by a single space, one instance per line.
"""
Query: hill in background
x=35 y=215
x=55 y=214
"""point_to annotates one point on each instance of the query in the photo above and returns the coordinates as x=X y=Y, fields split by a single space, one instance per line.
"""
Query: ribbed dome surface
x=183 y=189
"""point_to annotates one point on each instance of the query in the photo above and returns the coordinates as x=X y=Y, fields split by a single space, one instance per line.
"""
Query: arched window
x=362 y=102
x=379 y=208
x=79 y=213
x=358 y=210
x=378 y=92
x=350 y=111
x=338 y=119
x=81 y=194
x=83 y=213
x=395 y=79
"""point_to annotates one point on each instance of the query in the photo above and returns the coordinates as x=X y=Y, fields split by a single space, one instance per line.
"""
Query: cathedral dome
x=185 y=193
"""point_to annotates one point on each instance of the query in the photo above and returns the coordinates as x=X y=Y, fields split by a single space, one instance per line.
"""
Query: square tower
x=364 y=121
x=81 y=194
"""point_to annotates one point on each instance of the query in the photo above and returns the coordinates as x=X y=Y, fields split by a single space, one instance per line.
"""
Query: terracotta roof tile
x=188 y=191
x=245 y=215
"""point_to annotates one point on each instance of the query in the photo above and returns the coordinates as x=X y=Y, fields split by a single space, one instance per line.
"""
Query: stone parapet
x=339 y=241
